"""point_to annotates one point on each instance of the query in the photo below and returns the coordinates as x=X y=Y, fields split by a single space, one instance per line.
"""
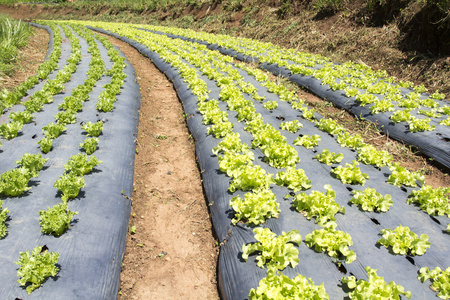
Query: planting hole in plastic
x=375 y=221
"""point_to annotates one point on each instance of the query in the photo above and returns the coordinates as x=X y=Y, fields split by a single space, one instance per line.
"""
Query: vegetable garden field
x=305 y=210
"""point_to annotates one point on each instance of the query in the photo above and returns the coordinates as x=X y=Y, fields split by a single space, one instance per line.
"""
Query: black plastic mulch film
x=434 y=144
x=91 y=251
x=237 y=277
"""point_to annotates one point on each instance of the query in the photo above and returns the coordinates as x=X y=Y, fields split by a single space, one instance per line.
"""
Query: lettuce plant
x=350 y=174
x=93 y=129
x=332 y=241
x=250 y=178
x=307 y=141
x=369 y=155
x=403 y=241
x=3 y=216
x=354 y=141
x=89 y=145
x=46 y=144
x=371 y=200
x=256 y=208
x=36 y=267
x=275 y=252
x=270 y=105
x=66 y=117
x=401 y=116
x=32 y=162
x=440 y=280
x=23 y=117
x=80 y=164
x=14 y=182
x=330 y=126
x=56 y=220
x=319 y=205
x=220 y=129
x=281 y=155
x=280 y=286
x=230 y=162
x=328 y=157
x=53 y=130
x=294 y=179
x=438 y=96
x=69 y=185
x=401 y=176
x=10 y=130
x=445 y=122
x=419 y=125
x=374 y=287
x=230 y=143
x=435 y=201
x=291 y=126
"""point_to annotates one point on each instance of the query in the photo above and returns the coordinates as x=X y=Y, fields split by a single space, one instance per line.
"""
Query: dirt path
x=172 y=254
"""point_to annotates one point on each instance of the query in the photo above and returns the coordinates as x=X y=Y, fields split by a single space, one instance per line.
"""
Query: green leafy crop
x=66 y=117
x=89 y=145
x=283 y=287
x=294 y=179
x=332 y=241
x=375 y=288
x=307 y=141
x=319 y=205
x=350 y=174
x=230 y=162
x=330 y=126
x=93 y=129
x=220 y=129
x=46 y=144
x=291 y=126
x=3 y=216
x=369 y=155
x=433 y=201
x=80 y=164
x=401 y=116
x=270 y=105
x=54 y=130
x=440 y=280
x=281 y=155
x=371 y=200
x=404 y=241
x=32 y=162
x=36 y=267
x=10 y=130
x=256 y=208
x=14 y=182
x=70 y=185
x=230 y=143
x=418 y=125
x=350 y=140
x=250 y=178
x=23 y=117
x=328 y=157
x=401 y=176
x=275 y=252
x=56 y=220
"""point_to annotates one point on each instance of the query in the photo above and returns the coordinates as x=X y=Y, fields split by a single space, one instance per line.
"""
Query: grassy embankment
x=13 y=36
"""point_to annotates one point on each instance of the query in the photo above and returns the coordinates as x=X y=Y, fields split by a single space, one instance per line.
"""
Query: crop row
x=36 y=266
x=400 y=109
x=279 y=151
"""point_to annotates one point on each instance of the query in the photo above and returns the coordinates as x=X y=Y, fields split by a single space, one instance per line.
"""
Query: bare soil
x=172 y=254
x=29 y=58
